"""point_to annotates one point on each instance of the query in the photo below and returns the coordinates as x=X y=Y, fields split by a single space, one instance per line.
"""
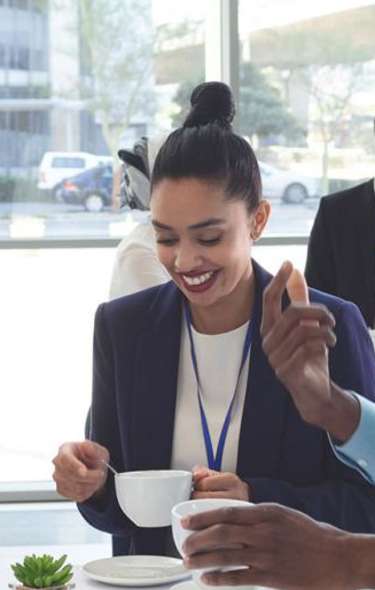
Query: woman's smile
x=197 y=282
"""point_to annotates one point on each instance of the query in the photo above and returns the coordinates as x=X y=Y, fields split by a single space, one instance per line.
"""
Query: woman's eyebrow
x=206 y=223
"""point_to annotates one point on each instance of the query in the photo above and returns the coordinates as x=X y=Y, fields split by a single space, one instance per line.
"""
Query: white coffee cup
x=180 y=534
x=147 y=497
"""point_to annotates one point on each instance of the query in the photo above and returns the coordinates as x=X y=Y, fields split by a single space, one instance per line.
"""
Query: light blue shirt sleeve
x=359 y=451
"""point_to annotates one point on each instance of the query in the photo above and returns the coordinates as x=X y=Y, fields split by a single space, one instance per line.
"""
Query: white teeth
x=198 y=280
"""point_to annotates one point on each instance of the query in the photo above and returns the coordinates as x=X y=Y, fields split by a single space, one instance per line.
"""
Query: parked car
x=286 y=185
x=92 y=188
x=55 y=166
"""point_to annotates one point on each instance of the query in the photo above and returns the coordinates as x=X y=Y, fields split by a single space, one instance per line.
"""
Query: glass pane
x=307 y=76
x=78 y=80
x=46 y=316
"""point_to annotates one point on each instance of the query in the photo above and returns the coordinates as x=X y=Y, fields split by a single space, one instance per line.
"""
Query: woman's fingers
x=79 y=470
x=217 y=482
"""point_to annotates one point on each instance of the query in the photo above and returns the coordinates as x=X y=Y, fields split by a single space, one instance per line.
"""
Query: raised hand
x=296 y=343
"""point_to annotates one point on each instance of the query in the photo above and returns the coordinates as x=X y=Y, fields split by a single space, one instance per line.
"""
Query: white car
x=55 y=166
x=286 y=185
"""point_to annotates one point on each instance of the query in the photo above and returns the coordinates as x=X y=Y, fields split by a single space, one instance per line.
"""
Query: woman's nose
x=186 y=259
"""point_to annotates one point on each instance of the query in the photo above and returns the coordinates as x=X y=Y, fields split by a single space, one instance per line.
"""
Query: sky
x=254 y=14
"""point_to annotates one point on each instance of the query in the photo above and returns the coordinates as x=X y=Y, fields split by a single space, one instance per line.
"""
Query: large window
x=116 y=71
x=112 y=71
x=307 y=84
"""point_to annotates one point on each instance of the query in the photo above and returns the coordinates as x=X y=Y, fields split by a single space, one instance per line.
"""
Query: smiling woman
x=204 y=241
x=181 y=374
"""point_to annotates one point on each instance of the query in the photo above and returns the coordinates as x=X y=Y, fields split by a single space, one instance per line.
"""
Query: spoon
x=110 y=467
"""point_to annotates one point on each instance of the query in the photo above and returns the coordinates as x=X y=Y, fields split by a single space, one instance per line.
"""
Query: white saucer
x=136 y=570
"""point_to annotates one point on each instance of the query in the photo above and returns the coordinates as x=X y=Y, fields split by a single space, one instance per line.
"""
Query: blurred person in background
x=136 y=265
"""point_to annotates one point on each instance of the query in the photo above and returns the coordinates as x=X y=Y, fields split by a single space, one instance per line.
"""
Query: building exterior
x=43 y=62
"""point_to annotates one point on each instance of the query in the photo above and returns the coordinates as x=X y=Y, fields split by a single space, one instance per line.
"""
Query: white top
x=136 y=265
x=219 y=360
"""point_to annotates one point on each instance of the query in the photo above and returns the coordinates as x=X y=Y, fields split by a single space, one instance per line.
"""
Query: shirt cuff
x=358 y=451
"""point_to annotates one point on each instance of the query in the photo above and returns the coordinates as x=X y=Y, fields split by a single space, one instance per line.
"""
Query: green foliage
x=117 y=43
x=261 y=110
x=182 y=99
x=43 y=571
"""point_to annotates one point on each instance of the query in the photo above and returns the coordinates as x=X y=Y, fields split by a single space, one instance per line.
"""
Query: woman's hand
x=213 y=484
x=276 y=546
x=79 y=470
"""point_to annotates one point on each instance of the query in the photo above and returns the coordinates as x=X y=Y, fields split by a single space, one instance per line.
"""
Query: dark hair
x=206 y=147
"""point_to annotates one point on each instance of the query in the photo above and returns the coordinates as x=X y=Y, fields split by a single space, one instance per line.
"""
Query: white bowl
x=147 y=497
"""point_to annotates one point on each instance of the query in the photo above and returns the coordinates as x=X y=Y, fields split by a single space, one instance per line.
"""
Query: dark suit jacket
x=284 y=460
x=341 y=252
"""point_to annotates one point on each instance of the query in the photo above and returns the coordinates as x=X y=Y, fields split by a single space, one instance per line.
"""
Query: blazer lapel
x=156 y=370
x=265 y=408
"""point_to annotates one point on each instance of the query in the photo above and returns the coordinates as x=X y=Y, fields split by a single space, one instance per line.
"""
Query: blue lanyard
x=215 y=461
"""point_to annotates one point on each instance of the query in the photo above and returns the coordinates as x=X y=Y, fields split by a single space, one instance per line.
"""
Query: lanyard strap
x=215 y=461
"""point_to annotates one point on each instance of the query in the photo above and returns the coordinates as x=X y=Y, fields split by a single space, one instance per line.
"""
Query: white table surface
x=82 y=582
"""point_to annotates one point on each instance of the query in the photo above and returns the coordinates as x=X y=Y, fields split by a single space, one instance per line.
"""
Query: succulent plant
x=43 y=571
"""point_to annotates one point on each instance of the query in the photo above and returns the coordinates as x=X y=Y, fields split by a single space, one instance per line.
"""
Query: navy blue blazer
x=284 y=460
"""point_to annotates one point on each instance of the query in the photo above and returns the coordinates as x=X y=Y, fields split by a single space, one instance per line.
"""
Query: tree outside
x=117 y=42
x=261 y=113
x=332 y=90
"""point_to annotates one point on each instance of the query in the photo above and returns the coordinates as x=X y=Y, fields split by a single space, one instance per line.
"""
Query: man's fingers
x=297 y=287
x=241 y=515
x=305 y=352
x=302 y=335
x=243 y=577
x=272 y=297
x=215 y=537
x=295 y=315
x=217 y=558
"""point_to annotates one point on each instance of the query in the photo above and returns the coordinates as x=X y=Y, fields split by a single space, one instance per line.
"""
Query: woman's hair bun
x=211 y=102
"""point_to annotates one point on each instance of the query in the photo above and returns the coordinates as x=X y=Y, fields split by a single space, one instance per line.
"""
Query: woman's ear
x=259 y=219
